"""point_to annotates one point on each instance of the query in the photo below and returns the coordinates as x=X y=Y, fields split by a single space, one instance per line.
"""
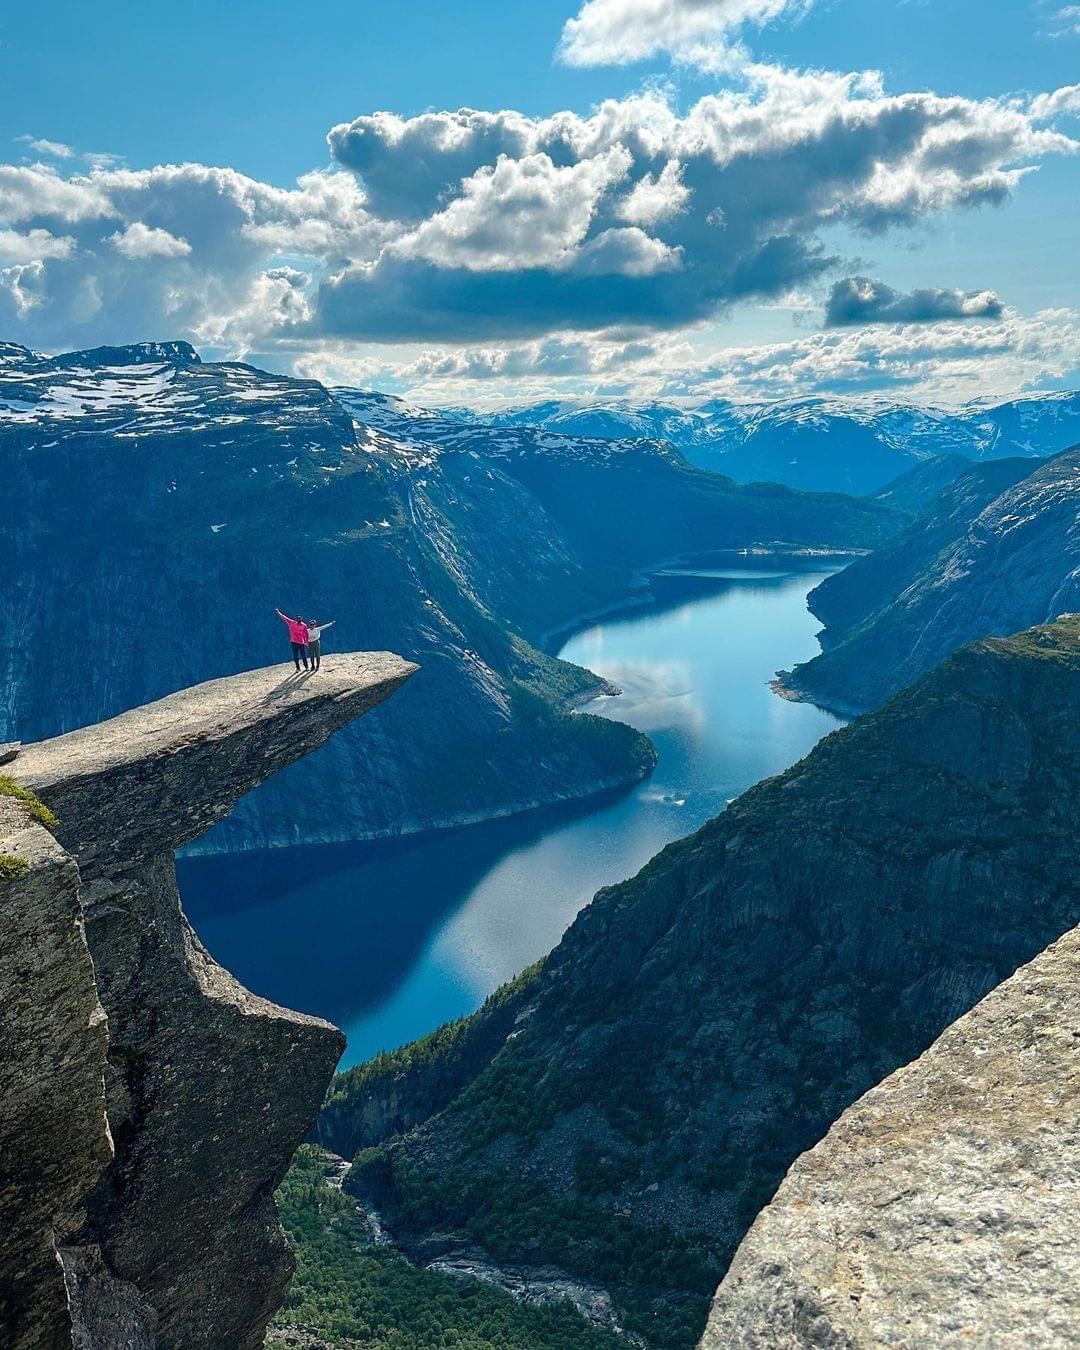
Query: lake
x=390 y=939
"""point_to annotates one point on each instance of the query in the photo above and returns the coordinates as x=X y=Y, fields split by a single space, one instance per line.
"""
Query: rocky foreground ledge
x=942 y=1208
x=149 y=1104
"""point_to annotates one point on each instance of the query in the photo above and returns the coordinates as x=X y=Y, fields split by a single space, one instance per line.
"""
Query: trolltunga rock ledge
x=151 y=1104
x=160 y=775
x=942 y=1208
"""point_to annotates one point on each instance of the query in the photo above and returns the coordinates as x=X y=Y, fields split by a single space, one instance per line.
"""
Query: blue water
x=389 y=940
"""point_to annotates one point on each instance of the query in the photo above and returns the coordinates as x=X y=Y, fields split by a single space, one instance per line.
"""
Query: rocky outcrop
x=997 y=551
x=703 y=1024
x=942 y=1208
x=144 y=1156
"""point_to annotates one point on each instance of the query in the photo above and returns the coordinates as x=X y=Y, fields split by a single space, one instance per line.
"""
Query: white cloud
x=946 y=362
x=654 y=198
x=40 y=146
x=1065 y=22
x=694 y=32
x=736 y=193
x=34 y=244
x=493 y=231
x=143 y=241
x=517 y=213
x=1064 y=100
x=25 y=284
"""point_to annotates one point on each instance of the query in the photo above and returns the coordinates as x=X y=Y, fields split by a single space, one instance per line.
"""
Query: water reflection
x=388 y=940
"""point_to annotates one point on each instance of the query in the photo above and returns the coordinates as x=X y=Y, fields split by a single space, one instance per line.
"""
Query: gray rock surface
x=54 y=1140
x=942 y=1209
x=203 y=1089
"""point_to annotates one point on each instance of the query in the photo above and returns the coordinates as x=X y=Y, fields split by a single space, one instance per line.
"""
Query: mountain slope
x=997 y=551
x=703 y=1024
x=164 y=506
x=855 y=445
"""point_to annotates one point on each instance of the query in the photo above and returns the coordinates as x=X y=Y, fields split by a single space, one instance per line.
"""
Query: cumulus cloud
x=34 y=244
x=1043 y=107
x=40 y=146
x=517 y=213
x=655 y=198
x=178 y=250
x=941 y=362
x=499 y=229
x=857 y=300
x=731 y=199
x=144 y=241
x=947 y=361
x=695 y=32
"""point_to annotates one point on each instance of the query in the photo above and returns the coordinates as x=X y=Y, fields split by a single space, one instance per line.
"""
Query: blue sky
x=543 y=272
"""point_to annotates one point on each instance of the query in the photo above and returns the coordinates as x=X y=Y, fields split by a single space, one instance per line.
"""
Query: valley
x=389 y=941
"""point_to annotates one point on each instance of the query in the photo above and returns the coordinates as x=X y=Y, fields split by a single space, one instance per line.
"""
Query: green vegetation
x=37 y=810
x=437 y=1046
x=349 y=1293
x=662 y=1280
x=12 y=866
x=398 y=1089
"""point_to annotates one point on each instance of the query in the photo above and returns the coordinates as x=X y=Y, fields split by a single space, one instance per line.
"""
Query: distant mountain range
x=164 y=506
x=855 y=445
x=998 y=550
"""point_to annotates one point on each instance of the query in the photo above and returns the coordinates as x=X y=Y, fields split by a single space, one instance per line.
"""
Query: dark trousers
x=315 y=652
x=299 y=653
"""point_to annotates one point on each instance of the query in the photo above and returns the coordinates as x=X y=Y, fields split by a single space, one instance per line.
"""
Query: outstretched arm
x=328 y=625
x=283 y=617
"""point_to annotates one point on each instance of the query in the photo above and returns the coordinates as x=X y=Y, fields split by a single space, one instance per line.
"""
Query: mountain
x=703 y=1024
x=855 y=445
x=164 y=506
x=998 y=550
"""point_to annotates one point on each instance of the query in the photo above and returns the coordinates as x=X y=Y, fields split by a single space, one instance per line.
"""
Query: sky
x=677 y=199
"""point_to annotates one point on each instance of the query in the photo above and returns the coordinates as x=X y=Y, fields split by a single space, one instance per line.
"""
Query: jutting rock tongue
x=207 y=1089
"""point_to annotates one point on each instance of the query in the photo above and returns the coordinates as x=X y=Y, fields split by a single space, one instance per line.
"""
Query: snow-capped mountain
x=820 y=444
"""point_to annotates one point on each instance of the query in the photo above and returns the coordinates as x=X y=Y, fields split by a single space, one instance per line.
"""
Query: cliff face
x=144 y=1153
x=941 y=1208
x=997 y=551
x=161 y=509
x=703 y=1024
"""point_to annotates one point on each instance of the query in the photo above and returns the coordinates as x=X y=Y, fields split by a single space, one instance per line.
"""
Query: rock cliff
x=941 y=1209
x=704 y=1023
x=150 y=1104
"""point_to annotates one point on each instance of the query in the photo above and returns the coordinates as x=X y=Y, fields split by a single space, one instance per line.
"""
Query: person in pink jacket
x=298 y=636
